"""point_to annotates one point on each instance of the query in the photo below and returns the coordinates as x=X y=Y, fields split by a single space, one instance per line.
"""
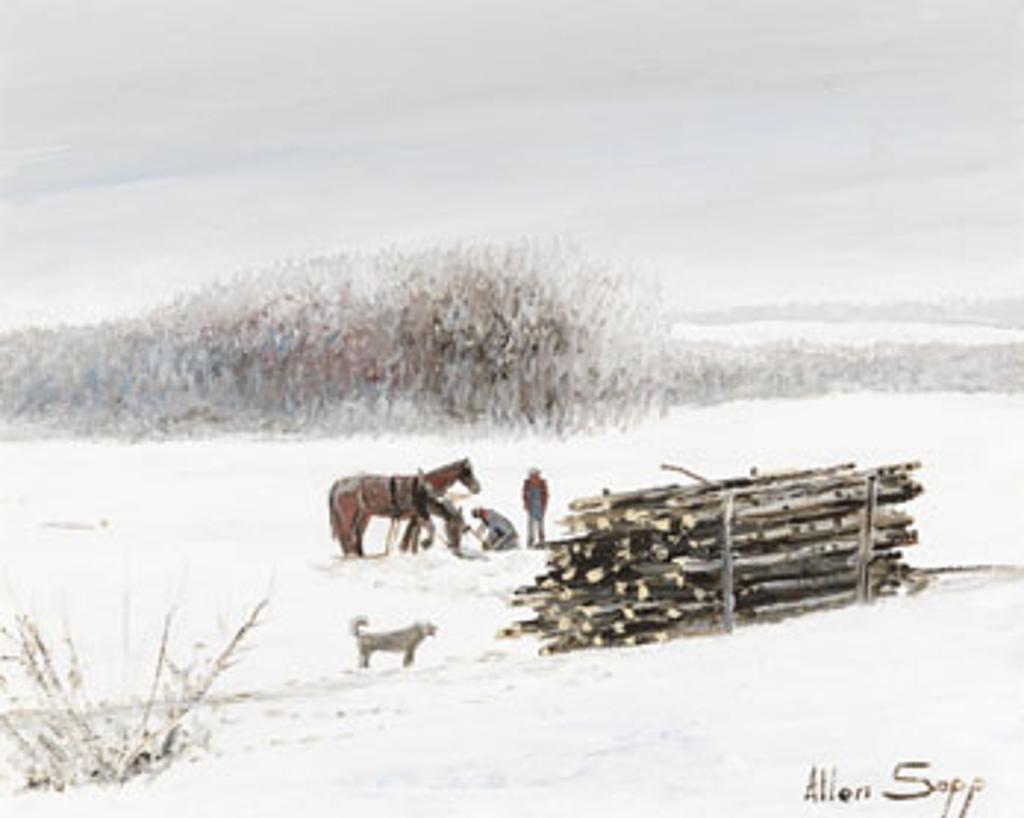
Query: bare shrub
x=62 y=739
x=522 y=335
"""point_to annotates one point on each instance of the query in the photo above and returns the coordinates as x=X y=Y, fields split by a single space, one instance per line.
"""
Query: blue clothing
x=501 y=534
x=497 y=523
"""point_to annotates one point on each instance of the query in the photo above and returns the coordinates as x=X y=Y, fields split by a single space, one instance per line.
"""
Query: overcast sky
x=746 y=151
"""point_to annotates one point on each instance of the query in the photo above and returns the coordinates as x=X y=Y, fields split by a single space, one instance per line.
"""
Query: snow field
x=712 y=726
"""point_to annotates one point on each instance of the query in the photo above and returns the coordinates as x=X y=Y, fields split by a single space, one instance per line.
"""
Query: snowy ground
x=709 y=727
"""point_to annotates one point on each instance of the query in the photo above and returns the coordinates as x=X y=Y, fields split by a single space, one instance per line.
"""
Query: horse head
x=466 y=476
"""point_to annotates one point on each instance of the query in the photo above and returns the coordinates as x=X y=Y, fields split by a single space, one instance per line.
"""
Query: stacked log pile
x=650 y=565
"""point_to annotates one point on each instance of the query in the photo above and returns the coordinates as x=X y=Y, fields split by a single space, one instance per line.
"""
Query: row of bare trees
x=524 y=334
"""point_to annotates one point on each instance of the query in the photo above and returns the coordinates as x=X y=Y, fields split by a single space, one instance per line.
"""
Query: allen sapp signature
x=911 y=781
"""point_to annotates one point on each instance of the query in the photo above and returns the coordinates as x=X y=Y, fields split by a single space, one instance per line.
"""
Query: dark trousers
x=503 y=543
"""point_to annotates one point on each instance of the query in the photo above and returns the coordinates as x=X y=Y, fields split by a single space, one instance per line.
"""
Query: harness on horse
x=393 y=484
x=408 y=493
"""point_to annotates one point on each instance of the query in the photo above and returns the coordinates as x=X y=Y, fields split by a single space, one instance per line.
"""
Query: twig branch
x=682 y=469
x=222 y=662
x=136 y=747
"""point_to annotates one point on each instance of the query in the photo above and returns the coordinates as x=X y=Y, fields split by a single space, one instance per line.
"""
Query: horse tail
x=332 y=510
x=357 y=625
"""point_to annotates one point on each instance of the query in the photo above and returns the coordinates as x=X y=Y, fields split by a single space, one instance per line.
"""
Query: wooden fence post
x=728 y=600
x=867 y=536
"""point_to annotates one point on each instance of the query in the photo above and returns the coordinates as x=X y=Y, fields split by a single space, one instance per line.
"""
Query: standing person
x=535 y=501
x=498 y=532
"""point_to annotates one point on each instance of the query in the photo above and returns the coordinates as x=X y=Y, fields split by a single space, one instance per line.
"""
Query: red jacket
x=535 y=487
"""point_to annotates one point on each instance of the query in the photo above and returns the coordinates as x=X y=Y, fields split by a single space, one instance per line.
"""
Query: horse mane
x=455 y=466
x=462 y=461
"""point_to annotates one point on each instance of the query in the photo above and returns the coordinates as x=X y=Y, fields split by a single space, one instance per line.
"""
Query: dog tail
x=357 y=625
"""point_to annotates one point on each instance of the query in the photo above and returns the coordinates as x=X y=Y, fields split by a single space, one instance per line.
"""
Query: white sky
x=746 y=151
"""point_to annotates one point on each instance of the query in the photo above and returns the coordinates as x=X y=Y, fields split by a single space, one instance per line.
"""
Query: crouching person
x=496 y=531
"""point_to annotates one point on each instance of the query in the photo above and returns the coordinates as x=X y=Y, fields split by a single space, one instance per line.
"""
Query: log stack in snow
x=651 y=565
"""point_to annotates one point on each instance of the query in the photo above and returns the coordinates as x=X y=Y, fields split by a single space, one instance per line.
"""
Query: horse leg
x=453 y=531
x=410 y=539
x=351 y=544
x=358 y=530
x=342 y=518
x=392 y=530
x=431 y=533
x=442 y=508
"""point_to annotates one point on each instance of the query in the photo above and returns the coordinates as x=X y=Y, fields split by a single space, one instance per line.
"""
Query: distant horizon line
x=1003 y=312
x=991 y=311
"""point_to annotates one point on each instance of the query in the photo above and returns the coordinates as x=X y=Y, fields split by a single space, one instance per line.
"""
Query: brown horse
x=352 y=501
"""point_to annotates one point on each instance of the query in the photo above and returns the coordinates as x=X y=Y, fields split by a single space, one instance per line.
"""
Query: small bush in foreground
x=61 y=739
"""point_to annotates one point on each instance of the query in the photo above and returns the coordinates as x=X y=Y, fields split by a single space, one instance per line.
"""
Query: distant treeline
x=1005 y=313
x=526 y=336
x=712 y=373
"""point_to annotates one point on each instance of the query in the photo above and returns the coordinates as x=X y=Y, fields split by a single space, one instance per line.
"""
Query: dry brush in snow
x=59 y=738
